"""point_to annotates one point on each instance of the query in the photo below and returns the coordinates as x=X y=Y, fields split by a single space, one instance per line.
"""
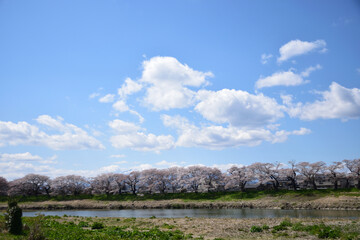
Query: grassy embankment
x=304 y=199
x=184 y=228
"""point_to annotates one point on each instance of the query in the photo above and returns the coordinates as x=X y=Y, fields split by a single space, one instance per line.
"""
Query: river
x=204 y=213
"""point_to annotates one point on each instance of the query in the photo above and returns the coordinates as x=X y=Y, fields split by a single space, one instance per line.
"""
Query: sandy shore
x=331 y=202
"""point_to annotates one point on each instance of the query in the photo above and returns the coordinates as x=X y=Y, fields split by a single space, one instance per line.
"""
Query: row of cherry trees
x=192 y=179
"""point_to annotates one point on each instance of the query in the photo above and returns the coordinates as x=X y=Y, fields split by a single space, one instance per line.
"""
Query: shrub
x=13 y=219
x=97 y=225
x=83 y=224
x=328 y=232
x=36 y=232
x=265 y=227
x=286 y=223
x=256 y=229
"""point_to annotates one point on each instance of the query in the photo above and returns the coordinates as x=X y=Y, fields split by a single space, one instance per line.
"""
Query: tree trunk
x=314 y=184
x=293 y=183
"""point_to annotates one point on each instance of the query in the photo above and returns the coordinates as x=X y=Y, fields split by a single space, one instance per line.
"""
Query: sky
x=89 y=87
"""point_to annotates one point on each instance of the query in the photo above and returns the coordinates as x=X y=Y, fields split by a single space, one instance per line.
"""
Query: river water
x=203 y=213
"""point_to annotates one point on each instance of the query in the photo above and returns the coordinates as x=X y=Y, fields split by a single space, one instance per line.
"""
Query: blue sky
x=88 y=87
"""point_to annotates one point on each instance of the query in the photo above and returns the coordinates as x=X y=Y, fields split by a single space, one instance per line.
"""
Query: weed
x=83 y=224
x=97 y=225
x=265 y=227
x=256 y=229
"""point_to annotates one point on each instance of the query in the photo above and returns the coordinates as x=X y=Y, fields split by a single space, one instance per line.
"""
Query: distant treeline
x=303 y=175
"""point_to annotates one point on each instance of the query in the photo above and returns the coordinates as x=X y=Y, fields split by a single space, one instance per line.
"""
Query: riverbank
x=188 y=228
x=344 y=202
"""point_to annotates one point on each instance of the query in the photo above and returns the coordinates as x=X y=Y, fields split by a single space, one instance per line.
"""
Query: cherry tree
x=267 y=172
x=162 y=180
x=213 y=178
x=120 y=180
x=148 y=180
x=238 y=177
x=334 y=172
x=175 y=176
x=4 y=186
x=354 y=167
x=311 y=171
x=132 y=181
x=290 y=174
x=31 y=184
x=104 y=183
x=71 y=184
x=193 y=177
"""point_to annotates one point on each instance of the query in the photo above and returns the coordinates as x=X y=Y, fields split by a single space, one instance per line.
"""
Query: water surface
x=203 y=213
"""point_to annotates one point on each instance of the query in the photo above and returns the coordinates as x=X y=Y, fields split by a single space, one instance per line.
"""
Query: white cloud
x=109 y=169
x=19 y=157
x=51 y=122
x=128 y=88
x=288 y=78
x=282 y=136
x=132 y=136
x=120 y=106
x=225 y=167
x=338 y=102
x=166 y=164
x=298 y=47
x=218 y=137
x=168 y=82
x=265 y=58
x=70 y=137
x=121 y=162
x=309 y=70
x=108 y=98
x=118 y=156
x=238 y=108
x=94 y=95
x=124 y=127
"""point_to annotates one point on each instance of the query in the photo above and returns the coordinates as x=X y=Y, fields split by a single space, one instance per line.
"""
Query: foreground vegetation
x=68 y=227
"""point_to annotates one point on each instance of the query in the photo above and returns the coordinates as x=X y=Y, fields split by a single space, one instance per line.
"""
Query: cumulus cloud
x=130 y=135
x=219 y=137
x=108 y=98
x=168 y=83
x=297 y=47
x=338 y=102
x=129 y=87
x=265 y=58
x=19 y=157
x=238 y=108
x=69 y=137
x=166 y=164
x=288 y=78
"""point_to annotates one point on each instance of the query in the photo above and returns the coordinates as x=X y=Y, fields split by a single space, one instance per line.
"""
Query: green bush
x=36 y=231
x=256 y=229
x=328 y=232
x=97 y=225
x=83 y=224
x=265 y=227
x=13 y=219
x=286 y=223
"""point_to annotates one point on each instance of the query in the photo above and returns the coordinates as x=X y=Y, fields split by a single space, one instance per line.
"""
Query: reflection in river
x=204 y=213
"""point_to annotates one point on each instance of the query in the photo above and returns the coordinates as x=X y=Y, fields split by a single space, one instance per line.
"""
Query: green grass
x=211 y=196
x=67 y=230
